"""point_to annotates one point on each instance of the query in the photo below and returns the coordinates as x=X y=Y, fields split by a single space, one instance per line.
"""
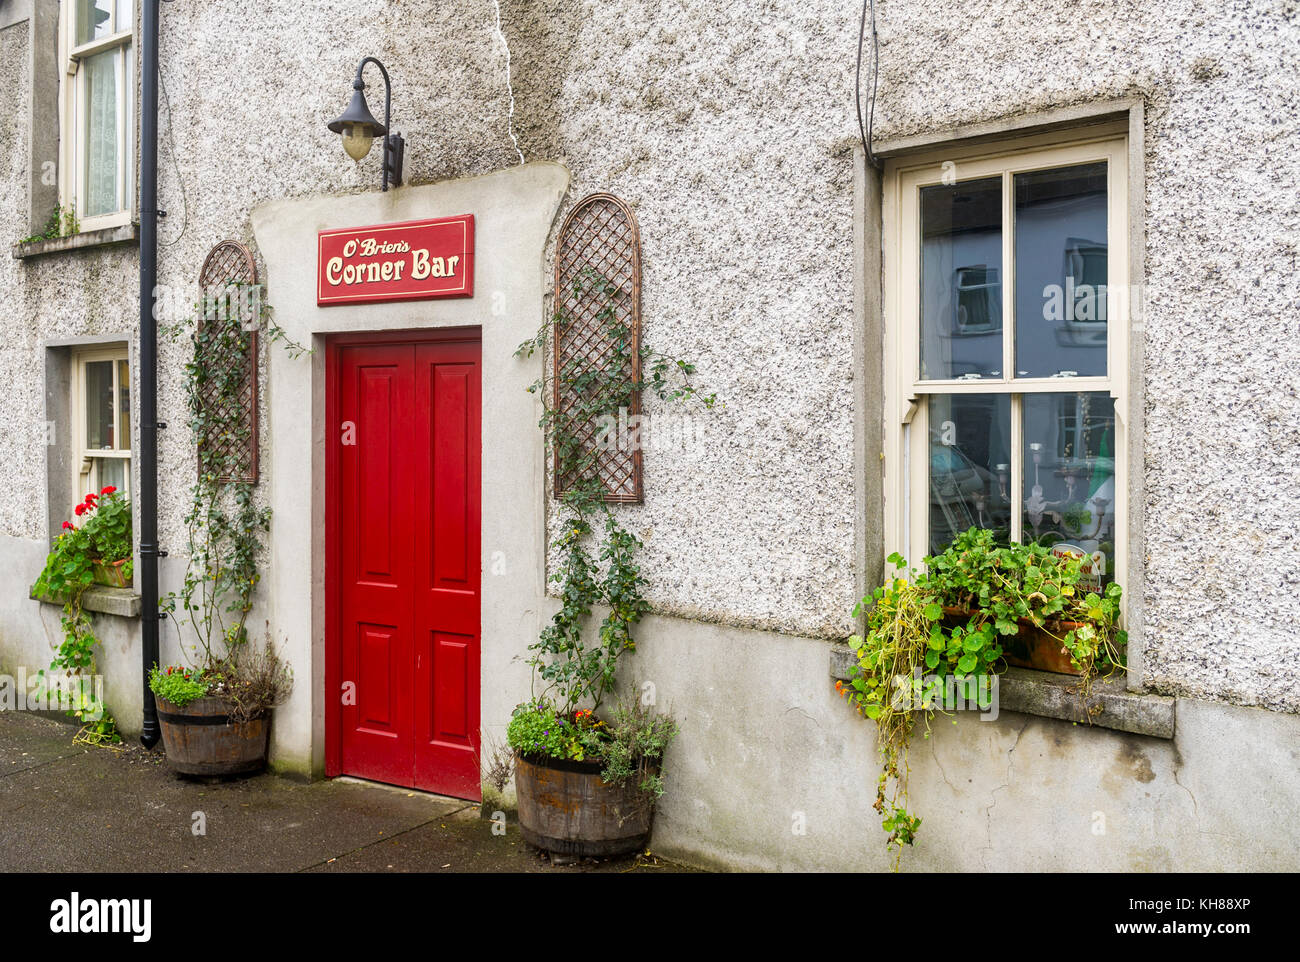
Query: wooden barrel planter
x=202 y=739
x=566 y=808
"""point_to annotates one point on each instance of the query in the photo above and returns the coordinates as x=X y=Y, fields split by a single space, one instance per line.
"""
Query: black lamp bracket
x=394 y=145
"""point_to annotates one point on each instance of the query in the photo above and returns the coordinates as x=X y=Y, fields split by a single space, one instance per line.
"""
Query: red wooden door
x=403 y=561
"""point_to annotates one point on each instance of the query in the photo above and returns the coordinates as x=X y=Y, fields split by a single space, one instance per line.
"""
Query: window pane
x=111 y=471
x=970 y=465
x=961 y=280
x=1061 y=272
x=1070 y=475
x=93 y=20
x=99 y=405
x=100 y=133
x=123 y=405
x=125 y=19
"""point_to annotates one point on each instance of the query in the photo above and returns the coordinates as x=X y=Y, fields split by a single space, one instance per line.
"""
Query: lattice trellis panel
x=230 y=267
x=598 y=329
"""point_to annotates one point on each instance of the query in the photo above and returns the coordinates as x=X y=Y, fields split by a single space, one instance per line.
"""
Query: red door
x=402 y=560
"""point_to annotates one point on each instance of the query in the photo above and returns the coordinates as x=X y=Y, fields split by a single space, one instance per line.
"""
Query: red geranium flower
x=91 y=498
x=69 y=524
x=79 y=510
x=108 y=489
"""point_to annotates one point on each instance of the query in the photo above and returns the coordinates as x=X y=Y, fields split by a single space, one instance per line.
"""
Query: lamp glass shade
x=358 y=126
x=357 y=139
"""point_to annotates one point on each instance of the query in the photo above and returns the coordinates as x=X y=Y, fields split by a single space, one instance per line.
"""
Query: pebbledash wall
x=731 y=132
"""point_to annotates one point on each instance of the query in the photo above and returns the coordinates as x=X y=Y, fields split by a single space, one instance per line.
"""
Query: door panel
x=404 y=557
x=447 y=391
x=376 y=681
x=376 y=479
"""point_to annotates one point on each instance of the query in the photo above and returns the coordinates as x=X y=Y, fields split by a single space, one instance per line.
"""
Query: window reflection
x=961 y=289
x=970 y=466
x=93 y=20
x=1069 y=488
x=1061 y=272
x=99 y=404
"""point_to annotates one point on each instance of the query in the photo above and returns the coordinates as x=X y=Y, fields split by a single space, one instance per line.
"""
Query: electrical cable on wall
x=171 y=149
x=865 y=130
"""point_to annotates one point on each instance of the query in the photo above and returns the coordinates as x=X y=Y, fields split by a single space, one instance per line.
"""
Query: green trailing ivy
x=225 y=523
x=572 y=667
x=573 y=670
x=943 y=630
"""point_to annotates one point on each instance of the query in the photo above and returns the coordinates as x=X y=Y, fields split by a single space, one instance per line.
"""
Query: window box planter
x=1032 y=646
x=110 y=573
x=202 y=738
x=566 y=808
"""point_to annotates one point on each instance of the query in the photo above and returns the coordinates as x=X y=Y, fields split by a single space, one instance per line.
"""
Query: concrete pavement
x=67 y=808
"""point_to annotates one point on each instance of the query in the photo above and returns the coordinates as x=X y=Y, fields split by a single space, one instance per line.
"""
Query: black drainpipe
x=147 y=501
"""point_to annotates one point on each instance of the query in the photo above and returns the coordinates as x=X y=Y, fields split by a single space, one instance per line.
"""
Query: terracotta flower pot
x=1032 y=646
x=111 y=573
x=566 y=808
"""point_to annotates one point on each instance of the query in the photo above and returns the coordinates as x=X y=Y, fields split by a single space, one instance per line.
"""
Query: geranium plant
x=102 y=537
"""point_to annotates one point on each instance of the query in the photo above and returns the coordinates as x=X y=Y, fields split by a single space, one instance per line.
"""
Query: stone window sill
x=1053 y=696
x=123 y=602
x=126 y=234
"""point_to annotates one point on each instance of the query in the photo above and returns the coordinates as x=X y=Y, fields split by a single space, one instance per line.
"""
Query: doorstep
x=1050 y=695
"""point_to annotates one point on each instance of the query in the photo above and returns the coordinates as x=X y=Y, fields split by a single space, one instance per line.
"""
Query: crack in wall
x=510 y=118
x=942 y=774
x=993 y=796
x=1196 y=811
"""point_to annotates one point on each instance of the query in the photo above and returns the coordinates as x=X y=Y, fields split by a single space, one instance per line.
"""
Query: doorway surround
x=514 y=211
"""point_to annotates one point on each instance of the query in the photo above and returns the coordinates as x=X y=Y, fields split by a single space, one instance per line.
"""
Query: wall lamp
x=359 y=127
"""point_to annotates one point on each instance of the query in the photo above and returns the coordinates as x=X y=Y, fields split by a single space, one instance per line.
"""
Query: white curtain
x=101 y=133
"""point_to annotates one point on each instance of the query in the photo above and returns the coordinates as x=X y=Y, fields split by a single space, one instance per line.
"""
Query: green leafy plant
x=178 y=685
x=572 y=666
x=250 y=680
x=103 y=537
x=540 y=730
x=225 y=523
x=926 y=634
x=1004 y=586
x=62 y=223
x=630 y=747
x=637 y=740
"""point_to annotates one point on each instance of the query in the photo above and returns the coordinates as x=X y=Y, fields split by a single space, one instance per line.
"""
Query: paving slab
x=463 y=842
x=31 y=739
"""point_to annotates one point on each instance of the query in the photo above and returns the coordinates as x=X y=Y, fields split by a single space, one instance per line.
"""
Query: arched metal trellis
x=599 y=243
x=228 y=290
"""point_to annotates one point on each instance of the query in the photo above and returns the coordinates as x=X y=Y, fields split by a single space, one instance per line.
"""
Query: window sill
x=1050 y=695
x=123 y=602
x=125 y=234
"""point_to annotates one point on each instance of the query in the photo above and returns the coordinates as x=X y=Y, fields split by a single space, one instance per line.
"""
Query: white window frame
x=84 y=478
x=906 y=491
x=72 y=107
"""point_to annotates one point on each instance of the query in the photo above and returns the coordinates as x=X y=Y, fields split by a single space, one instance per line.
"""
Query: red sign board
x=410 y=261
